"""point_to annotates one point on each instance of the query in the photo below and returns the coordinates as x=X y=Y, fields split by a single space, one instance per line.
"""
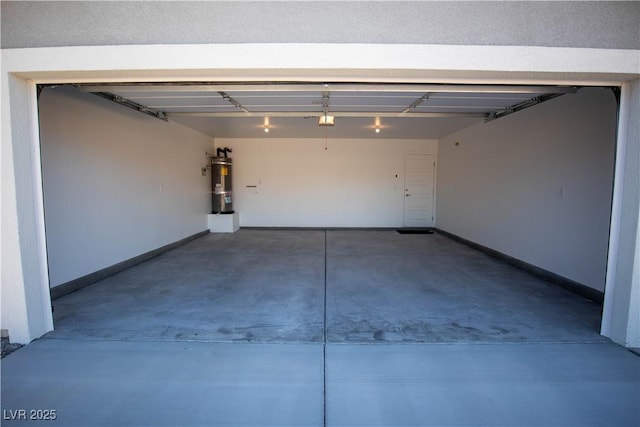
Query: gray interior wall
x=536 y=185
x=117 y=183
x=587 y=24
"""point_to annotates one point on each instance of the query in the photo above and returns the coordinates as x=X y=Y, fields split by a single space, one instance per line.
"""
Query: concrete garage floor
x=314 y=327
x=269 y=286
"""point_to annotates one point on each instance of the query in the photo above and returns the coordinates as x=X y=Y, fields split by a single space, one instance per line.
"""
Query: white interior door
x=418 y=190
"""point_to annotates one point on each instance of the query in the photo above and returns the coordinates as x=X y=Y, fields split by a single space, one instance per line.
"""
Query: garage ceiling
x=292 y=110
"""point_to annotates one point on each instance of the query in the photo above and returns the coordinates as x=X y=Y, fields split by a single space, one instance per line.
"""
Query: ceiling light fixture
x=377 y=125
x=266 y=125
x=326 y=120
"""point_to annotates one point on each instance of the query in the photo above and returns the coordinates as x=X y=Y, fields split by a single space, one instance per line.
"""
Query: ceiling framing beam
x=331 y=87
x=336 y=114
x=543 y=93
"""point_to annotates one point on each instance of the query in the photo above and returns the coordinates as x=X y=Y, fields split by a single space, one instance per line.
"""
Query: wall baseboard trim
x=91 y=278
x=319 y=228
x=571 y=285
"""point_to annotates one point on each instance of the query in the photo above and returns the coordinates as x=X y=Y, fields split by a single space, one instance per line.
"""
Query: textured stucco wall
x=590 y=24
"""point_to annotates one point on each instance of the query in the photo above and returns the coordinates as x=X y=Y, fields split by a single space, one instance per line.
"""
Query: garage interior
x=525 y=171
x=318 y=311
x=318 y=257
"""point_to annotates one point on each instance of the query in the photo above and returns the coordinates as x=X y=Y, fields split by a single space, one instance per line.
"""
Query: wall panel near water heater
x=222 y=190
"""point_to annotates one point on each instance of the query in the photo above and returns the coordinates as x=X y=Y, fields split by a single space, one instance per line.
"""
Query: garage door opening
x=534 y=185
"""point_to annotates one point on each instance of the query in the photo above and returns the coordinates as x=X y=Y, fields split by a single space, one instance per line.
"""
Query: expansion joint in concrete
x=324 y=340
